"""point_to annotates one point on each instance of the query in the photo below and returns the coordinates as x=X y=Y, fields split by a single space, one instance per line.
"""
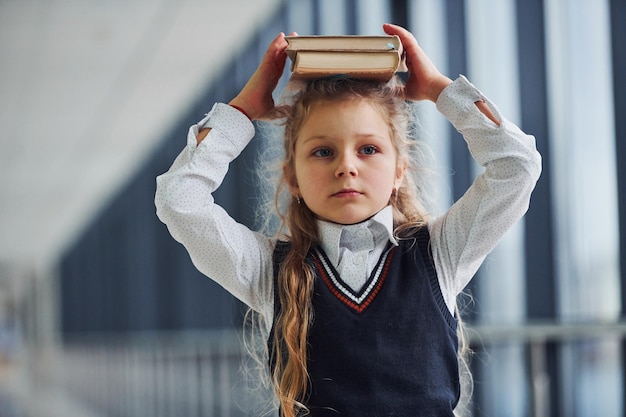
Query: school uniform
x=242 y=260
x=366 y=350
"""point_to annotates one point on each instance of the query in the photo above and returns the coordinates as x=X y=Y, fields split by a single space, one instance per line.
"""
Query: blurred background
x=102 y=313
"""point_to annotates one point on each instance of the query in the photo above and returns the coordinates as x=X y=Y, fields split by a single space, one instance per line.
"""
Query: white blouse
x=240 y=259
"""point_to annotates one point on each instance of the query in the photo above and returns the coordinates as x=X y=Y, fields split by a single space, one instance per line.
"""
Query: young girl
x=358 y=294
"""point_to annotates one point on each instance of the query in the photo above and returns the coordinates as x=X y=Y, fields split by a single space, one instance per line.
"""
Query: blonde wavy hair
x=297 y=223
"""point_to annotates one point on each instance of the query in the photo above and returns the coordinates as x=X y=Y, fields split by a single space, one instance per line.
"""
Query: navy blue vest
x=389 y=350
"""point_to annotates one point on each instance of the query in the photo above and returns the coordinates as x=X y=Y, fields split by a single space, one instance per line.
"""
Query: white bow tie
x=352 y=268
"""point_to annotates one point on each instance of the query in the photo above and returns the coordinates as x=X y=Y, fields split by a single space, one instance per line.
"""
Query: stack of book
x=366 y=57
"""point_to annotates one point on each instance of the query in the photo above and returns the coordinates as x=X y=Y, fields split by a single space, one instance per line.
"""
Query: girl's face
x=346 y=166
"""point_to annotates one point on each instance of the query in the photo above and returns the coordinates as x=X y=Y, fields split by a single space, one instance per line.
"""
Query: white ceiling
x=86 y=88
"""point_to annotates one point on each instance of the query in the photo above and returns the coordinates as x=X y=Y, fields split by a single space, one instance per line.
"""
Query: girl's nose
x=346 y=166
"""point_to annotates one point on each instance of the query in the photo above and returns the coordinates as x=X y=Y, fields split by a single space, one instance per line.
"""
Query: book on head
x=368 y=57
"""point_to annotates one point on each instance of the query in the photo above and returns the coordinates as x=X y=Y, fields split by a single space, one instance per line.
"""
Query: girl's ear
x=292 y=182
x=295 y=191
x=400 y=171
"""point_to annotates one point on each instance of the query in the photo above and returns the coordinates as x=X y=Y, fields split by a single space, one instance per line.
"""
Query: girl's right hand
x=255 y=99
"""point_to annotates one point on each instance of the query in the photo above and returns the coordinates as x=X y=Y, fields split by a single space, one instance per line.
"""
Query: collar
x=377 y=230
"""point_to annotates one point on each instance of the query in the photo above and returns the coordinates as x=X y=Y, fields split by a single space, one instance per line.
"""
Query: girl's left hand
x=425 y=81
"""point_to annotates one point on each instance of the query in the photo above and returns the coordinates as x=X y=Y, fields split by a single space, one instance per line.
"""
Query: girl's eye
x=368 y=150
x=322 y=152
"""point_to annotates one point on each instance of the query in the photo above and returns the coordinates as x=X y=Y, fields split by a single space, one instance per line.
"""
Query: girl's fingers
x=408 y=40
x=275 y=56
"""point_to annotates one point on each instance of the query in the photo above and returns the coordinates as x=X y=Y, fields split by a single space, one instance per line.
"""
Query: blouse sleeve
x=228 y=252
x=498 y=197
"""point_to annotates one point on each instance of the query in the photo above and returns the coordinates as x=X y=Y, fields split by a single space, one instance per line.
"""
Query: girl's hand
x=255 y=99
x=425 y=81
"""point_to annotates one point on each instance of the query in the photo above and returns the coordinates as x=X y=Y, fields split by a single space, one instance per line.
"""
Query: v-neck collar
x=357 y=301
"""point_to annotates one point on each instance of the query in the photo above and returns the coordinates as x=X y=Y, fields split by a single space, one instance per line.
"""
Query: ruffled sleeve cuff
x=229 y=122
x=457 y=103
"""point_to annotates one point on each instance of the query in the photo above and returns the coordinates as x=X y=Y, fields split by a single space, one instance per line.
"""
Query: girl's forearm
x=484 y=109
x=202 y=134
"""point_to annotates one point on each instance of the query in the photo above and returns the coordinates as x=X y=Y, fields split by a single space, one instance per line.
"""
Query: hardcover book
x=367 y=57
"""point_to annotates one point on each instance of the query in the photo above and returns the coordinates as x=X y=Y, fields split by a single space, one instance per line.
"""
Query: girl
x=358 y=294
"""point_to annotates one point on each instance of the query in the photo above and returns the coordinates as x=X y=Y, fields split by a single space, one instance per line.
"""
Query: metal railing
x=185 y=375
x=538 y=337
x=202 y=374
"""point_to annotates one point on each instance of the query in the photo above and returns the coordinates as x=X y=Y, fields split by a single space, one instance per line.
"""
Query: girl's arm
x=229 y=253
x=237 y=258
x=497 y=198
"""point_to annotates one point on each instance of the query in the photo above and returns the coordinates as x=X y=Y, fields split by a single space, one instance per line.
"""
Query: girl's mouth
x=347 y=192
